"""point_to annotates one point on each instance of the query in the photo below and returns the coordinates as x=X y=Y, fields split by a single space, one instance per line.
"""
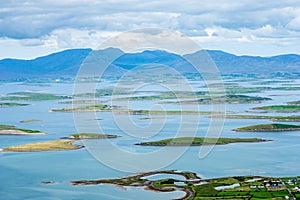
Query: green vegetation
x=33 y=96
x=273 y=118
x=96 y=107
x=269 y=128
x=29 y=120
x=54 y=145
x=13 y=130
x=197 y=141
x=12 y=104
x=279 y=108
x=240 y=187
x=90 y=136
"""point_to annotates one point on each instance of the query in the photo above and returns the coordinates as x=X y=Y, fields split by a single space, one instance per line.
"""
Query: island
x=230 y=99
x=33 y=96
x=12 y=104
x=237 y=187
x=13 y=130
x=294 y=103
x=198 y=141
x=118 y=110
x=79 y=136
x=272 y=118
x=279 y=108
x=269 y=128
x=87 y=108
x=29 y=120
x=55 y=145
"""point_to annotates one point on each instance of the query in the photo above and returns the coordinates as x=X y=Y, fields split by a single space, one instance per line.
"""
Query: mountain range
x=67 y=63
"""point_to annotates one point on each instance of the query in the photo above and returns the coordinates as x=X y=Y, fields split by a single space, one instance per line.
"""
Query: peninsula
x=237 y=187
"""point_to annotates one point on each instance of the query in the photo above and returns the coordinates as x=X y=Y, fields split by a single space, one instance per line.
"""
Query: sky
x=29 y=29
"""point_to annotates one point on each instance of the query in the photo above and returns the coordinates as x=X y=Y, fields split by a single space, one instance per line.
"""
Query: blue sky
x=38 y=27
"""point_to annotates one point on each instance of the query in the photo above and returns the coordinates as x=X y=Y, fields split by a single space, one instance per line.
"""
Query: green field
x=268 y=128
x=197 y=141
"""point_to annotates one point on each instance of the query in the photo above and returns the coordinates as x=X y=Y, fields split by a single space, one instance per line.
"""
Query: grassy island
x=294 y=103
x=198 y=141
x=273 y=118
x=90 y=136
x=237 y=187
x=54 y=145
x=230 y=98
x=269 y=128
x=279 y=108
x=95 y=107
x=12 y=104
x=33 y=96
x=13 y=130
x=29 y=120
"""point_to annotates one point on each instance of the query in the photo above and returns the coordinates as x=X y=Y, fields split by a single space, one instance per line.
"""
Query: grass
x=91 y=136
x=33 y=96
x=196 y=141
x=54 y=145
x=268 y=128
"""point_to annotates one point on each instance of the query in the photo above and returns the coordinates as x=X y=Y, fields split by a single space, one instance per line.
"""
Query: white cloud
x=57 y=24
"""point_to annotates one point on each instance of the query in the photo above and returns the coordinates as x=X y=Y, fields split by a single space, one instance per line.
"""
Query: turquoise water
x=21 y=173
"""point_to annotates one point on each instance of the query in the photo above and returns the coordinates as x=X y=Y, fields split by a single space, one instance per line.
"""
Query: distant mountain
x=66 y=63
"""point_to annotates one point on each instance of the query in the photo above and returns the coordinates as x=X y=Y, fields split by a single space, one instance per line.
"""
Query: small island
x=237 y=187
x=230 y=99
x=29 y=120
x=12 y=104
x=33 y=96
x=294 y=103
x=198 y=141
x=55 y=145
x=95 y=107
x=13 y=130
x=80 y=136
x=269 y=128
x=279 y=108
x=272 y=118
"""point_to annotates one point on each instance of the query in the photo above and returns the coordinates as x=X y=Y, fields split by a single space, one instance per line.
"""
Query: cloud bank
x=56 y=24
